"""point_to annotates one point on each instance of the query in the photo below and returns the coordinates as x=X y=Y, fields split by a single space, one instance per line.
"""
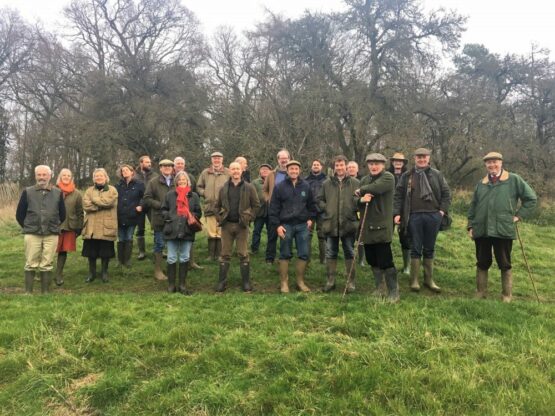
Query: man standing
x=236 y=206
x=275 y=177
x=262 y=213
x=422 y=198
x=245 y=172
x=209 y=184
x=338 y=206
x=315 y=180
x=491 y=221
x=154 y=198
x=144 y=174
x=397 y=167
x=376 y=191
x=292 y=213
x=40 y=212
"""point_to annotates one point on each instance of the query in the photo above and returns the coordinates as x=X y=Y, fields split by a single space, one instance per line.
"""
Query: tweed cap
x=398 y=156
x=217 y=154
x=265 y=165
x=376 y=157
x=293 y=162
x=493 y=156
x=165 y=162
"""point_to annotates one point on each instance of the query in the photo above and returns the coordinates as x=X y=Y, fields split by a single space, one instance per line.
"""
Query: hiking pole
x=526 y=262
x=353 y=265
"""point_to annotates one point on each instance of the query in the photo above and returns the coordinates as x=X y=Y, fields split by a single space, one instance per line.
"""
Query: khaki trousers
x=212 y=228
x=40 y=251
x=232 y=231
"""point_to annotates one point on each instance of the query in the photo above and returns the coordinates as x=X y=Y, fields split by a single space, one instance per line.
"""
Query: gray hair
x=39 y=167
x=179 y=175
x=59 y=178
x=103 y=172
x=284 y=150
x=179 y=158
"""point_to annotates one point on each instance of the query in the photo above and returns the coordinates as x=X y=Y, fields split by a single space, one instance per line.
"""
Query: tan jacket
x=101 y=213
x=269 y=185
x=208 y=186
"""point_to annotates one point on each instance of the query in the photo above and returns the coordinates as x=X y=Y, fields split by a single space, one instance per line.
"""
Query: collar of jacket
x=346 y=178
x=299 y=180
x=241 y=182
x=47 y=188
x=216 y=172
x=321 y=175
x=162 y=179
x=504 y=176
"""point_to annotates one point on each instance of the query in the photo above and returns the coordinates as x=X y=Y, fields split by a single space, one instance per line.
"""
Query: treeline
x=131 y=77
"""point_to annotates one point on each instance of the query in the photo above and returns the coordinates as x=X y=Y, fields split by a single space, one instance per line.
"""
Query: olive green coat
x=338 y=206
x=154 y=197
x=378 y=226
x=101 y=213
x=74 y=212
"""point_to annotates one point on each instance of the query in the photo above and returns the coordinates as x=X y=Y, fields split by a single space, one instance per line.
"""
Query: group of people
x=340 y=208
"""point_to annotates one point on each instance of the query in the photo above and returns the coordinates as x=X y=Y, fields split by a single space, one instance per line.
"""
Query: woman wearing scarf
x=180 y=209
x=73 y=224
x=101 y=223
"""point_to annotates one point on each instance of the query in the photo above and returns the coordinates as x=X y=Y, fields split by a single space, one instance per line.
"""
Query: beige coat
x=208 y=186
x=101 y=213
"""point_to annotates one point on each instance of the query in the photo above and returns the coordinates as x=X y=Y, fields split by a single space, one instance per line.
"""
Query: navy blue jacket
x=315 y=182
x=130 y=196
x=292 y=204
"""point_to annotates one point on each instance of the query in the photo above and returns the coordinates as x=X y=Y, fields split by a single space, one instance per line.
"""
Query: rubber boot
x=361 y=254
x=506 y=285
x=172 y=269
x=429 y=276
x=245 y=276
x=218 y=249
x=183 y=269
x=351 y=282
x=300 y=268
x=379 y=279
x=331 y=266
x=141 y=246
x=322 y=250
x=222 y=278
x=406 y=261
x=481 y=283
x=284 y=276
x=192 y=264
x=121 y=253
x=60 y=264
x=414 y=274
x=128 y=252
x=92 y=270
x=29 y=280
x=392 y=286
x=158 y=273
x=45 y=278
x=104 y=261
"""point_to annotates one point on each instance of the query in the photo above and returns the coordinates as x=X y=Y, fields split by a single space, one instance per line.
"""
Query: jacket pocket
x=168 y=227
x=505 y=225
x=109 y=229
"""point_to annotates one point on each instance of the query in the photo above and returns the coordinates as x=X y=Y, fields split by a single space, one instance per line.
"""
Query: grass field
x=128 y=348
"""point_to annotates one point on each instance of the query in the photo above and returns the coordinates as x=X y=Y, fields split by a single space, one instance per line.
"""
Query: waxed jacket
x=338 y=206
x=315 y=182
x=248 y=204
x=176 y=227
x=208 y=186
x=493 y=206
x=130 y=196
x=101 y=213
x=292 y=204
x=41 y=211
x=378 y=224
x=262 y=211
x=153 y=198
x=74 y=212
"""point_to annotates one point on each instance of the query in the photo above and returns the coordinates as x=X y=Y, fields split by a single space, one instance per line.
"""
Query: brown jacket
x=101 y=213
x=269 y=185
x=74 y=212
x=208 y=186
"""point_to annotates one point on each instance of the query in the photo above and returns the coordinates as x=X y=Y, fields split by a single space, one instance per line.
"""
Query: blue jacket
x=292 y=204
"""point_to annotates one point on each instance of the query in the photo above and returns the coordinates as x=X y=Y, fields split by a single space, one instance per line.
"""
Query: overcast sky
x=503 y=26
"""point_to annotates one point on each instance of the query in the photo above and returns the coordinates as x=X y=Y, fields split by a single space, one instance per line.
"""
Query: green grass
x=128 y=348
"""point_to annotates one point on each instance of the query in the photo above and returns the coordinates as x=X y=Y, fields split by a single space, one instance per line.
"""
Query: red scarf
x=182 y=201
x=66 y=189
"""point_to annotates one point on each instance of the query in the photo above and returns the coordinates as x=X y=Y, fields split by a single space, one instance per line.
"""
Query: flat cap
x=265 y=165
x=293 y=162
x=165 y=162
x=376 y=157
x=216 y=154
x=398 y=156
x=422 y=151
x=493 y=156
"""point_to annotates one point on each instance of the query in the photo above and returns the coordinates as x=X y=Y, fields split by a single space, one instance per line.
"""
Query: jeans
x=126 y=233
x=332 y=247
x=158 y=241
x=423 y=228
x=178 y=250
x=300 y=234
x=259 y=224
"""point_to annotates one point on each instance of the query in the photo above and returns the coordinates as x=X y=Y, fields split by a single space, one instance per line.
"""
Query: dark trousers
x=379 y=255
x=502 y=248
x=271 y=245
x=259 y=224
x=404 y=238
x=141 y=225
x=423 y=228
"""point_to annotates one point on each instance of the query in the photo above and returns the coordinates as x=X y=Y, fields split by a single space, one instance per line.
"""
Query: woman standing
x=130 y=195
x=180 y=209
x=101 y=222
x=72 y=225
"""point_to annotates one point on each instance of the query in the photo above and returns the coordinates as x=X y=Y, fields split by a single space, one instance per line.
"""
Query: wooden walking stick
x=526 y=262
x=353 y=265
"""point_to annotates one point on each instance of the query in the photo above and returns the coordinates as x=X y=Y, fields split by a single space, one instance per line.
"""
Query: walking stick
x=353 y=265
x=526 y=262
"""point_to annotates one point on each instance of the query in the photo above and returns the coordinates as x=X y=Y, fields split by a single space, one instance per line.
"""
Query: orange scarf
x=66 y=189
x=182 y=201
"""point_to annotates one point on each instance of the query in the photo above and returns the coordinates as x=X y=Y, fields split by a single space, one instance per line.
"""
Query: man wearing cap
x=145 y=174
x=275 y=177
x=209 y=184
x=376 y=197
x=262 y=212
x=491 y=221
x=422 y=198
x=338 y=206
x=398 y=166
x=292 y=213
x=315 y=179
x=154 y=197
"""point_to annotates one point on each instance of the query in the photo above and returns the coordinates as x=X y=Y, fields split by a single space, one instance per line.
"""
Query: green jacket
x=74 y=212
x=493 y=206
x=338 y=206
x=154 y=197
x=378 y=226
x=258 y=184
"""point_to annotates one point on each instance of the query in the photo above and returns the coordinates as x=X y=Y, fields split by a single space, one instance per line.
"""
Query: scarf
x=425 y=188
x=494 y=178
x=182 y=201
x=66 y=189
